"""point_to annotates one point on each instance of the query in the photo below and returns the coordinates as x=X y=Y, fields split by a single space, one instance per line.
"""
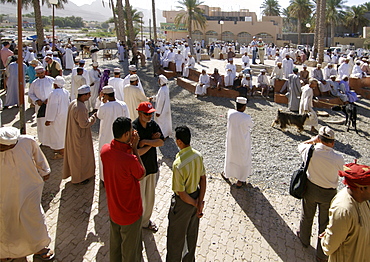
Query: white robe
x=163 y=108
x=307 y=105
x=357 y=72
x=40 y=89
x=94 y=77
x=12 y=92
x=245 y=61
x=179 y=60
x=23 y=230
x=230 y=74
x=118 y=85
x=288 y=67
x=127 y=82
x=133 y=97
x=74 y=88
x=68 y=57
x=238 y=155
x=202 y=90
x=190 y=64
x=344 y=70
x=56 y=112
x=108 y=113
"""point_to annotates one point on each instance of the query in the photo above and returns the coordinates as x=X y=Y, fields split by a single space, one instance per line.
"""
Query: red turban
x=356 y=175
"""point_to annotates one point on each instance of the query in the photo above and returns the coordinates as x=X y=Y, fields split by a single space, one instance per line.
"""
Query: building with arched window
x=235 y=26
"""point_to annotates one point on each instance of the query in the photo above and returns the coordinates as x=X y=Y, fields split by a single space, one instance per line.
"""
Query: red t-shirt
x=122 y=171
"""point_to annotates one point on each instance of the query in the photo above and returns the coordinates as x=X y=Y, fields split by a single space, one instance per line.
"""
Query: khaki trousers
x=125 y=242
x=147 y=190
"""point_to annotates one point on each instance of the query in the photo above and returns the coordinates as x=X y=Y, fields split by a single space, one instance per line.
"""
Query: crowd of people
x=131 y=129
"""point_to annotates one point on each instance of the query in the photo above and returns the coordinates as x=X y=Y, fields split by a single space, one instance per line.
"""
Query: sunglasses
x=147 y=114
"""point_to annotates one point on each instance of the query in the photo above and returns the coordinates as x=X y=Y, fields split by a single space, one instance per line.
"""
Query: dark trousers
x=183 y=226
x=254 y=56
x=315 y=196
x=125 y=242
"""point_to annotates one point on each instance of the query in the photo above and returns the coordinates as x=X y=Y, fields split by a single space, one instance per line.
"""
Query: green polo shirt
x=187 y=169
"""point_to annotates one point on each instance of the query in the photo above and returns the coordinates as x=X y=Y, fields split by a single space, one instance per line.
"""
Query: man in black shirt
x=150 y=137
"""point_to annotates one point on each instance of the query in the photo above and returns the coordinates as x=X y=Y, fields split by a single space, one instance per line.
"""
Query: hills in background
x=88 y=11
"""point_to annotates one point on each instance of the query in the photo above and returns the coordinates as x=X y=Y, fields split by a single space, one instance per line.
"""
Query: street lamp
x=53 y=3
x=141 y=15
x=308 y=25
x=221 y=23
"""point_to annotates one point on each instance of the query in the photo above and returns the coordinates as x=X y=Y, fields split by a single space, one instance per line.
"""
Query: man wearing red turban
x=347 y=236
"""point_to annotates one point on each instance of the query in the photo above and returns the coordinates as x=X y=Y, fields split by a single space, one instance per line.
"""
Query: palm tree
x=355 y=17
x=191 y=15
x=334 y=16
x=154 y=21
x=289 y=22
x=121 y=21
x=36 y=4
x=320 y=23
x=111 y=6
x=271 y=8
x=301 y=10
x=367 y=6
x=136 y=20
x=130 y=27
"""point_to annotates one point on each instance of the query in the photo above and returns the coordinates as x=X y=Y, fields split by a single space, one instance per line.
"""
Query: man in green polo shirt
x=189 y=186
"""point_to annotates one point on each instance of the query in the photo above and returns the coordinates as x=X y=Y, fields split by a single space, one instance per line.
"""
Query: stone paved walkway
x=238 y=224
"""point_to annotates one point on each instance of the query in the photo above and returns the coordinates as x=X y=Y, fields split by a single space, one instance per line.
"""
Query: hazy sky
x=229 y=5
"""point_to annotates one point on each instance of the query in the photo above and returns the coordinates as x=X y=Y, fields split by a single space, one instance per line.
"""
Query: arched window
x=244 y=38
x=267 y=38
x=227 y=36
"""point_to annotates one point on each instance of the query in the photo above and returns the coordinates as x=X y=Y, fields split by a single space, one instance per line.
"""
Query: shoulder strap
x=310 y=152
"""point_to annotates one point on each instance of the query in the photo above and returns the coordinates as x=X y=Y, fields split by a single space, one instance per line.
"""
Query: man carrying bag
x=322 y=174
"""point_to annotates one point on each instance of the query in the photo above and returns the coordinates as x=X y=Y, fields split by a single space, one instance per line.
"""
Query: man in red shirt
x=123 y=168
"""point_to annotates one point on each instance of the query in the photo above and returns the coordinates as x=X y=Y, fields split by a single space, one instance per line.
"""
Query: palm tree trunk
x=38 y=22
x=321 y=40
x=316 y=37
x=299 y=30
x=130 y=27
x=121 y=21
x=154 y=21
x=114 y=19
x=332 y=33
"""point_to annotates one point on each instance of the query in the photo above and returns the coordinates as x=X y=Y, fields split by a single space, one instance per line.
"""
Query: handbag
x=42 y=110
x=298 y=181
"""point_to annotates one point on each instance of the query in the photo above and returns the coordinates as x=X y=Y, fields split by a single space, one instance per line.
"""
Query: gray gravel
x=274 y=152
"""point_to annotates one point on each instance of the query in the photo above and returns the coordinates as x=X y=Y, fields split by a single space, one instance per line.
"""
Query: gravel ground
x=274 y=152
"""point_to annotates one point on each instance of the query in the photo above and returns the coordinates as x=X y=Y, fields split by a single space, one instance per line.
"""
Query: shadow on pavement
x=270 y=224
x=150 y=246
x=71 y=242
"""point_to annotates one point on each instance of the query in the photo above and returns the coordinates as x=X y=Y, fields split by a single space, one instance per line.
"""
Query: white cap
x=241 y=100
x=162 y=80
x=117 y=70
x=39 y=68
x=95 y=64
x=263 y=70
x=49 y=52
x=59 y=81
x=82 y=61
x=318 y=65
x=133 y=77
x=108 y=90
x=247 y=75
x=9 y=135
x=344 y=76
x=304 y=66
x=132 y=68
x=83 y=90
